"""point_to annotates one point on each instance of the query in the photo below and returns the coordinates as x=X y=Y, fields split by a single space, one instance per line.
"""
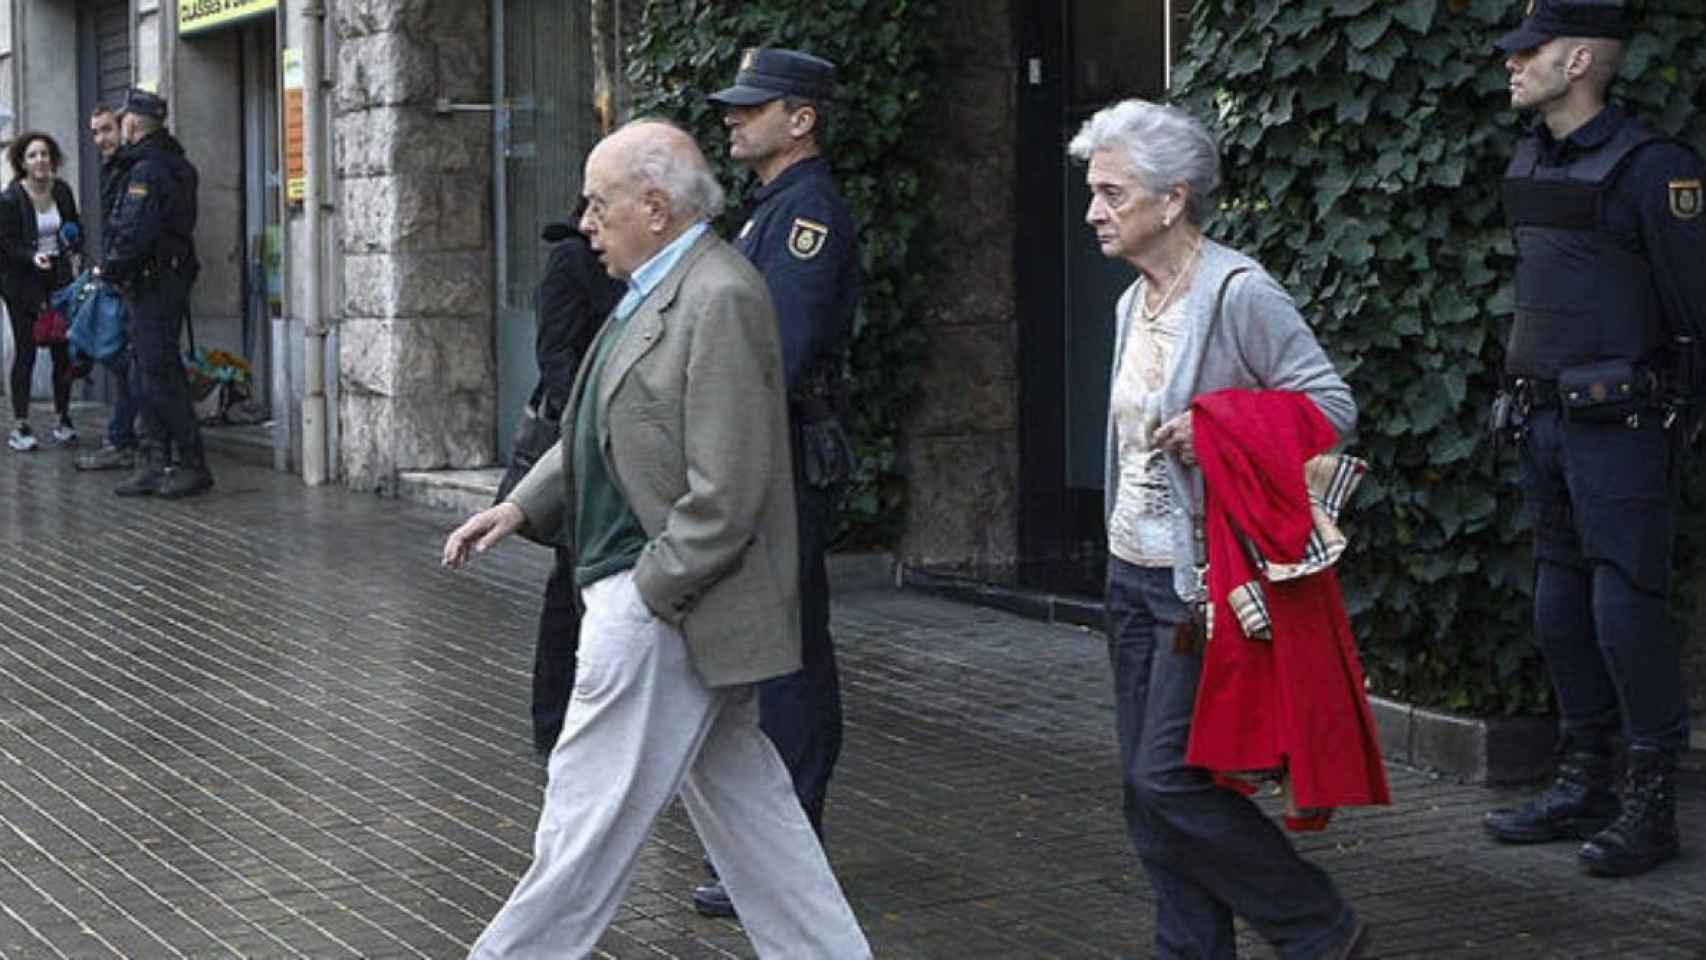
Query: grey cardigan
x=1261 y=342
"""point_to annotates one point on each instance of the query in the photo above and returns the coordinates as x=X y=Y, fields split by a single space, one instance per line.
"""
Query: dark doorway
x=103 y=41
x=1076 y=56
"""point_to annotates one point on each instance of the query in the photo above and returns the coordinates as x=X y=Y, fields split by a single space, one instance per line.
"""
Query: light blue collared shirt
x=651 y=273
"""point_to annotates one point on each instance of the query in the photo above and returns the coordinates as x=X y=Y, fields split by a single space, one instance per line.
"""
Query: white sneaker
x=65 y=432
x=22 y=438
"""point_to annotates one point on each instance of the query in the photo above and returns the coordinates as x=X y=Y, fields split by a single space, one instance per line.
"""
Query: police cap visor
x=1568 y=18
x=767 y=74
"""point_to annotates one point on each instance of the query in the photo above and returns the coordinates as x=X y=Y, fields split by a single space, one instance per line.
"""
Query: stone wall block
x=464 y=60
x=365 y=141
x=462 y=205
x=368 y=352
x=436 y=430
x=444 y=355
x=371 y=284
x=970 y=384
x=385 y=69
x=366 y=428
x=967 y=514
x=410 y=139
x=457 y=143
x=445 y=284
x=361 y=18
x=387 y=214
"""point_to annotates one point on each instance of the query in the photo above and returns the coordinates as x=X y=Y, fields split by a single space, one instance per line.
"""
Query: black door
x=1077 y=57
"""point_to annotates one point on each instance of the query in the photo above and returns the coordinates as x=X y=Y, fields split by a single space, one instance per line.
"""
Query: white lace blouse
x=1140 y=528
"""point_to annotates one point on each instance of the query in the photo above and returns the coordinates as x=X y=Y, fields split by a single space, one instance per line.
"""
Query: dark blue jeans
x=121 y=429
x=801 y=711
x=1210 y=853
x=1602 y=499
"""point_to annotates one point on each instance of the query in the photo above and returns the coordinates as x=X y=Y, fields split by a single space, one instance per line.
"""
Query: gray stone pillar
x=417 y=373
x=962 y=444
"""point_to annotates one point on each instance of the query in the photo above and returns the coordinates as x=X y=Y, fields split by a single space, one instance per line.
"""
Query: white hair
x=682 y=175
x=1165 y=146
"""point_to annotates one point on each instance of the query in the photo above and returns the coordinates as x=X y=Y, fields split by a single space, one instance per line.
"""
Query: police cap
x=144 y=103
x=767 y=73
x=1545 y=19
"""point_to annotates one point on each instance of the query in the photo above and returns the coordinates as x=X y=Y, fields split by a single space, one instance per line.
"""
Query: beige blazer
x=693 y=427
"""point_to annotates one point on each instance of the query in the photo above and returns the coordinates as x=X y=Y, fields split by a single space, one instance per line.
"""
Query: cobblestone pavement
x=265 y=723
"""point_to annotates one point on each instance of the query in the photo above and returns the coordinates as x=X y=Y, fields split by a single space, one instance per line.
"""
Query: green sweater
x=608 y=537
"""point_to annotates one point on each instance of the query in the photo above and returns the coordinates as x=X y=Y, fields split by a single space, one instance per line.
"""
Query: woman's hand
x=1175 y=438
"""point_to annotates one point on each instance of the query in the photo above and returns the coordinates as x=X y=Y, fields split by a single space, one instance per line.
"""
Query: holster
x=1610 y=391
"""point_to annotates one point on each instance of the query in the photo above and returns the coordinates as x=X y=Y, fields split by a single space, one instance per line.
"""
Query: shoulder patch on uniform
x=138 y=190
x=1685 y=199
x=806 y=237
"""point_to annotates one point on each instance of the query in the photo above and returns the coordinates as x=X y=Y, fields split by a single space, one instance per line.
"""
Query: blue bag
x=97 y=317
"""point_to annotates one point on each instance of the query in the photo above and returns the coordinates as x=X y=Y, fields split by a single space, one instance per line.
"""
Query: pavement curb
x=1498 y=750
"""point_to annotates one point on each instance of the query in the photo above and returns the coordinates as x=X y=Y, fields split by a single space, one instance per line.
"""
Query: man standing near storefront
x=800 y=236
x=119 y=451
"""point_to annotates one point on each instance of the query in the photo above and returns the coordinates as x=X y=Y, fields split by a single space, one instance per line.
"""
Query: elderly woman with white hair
x=1200 y=317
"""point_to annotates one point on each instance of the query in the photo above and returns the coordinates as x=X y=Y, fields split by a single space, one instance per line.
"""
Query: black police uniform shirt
x=1654 y=209
x=156 y=210
x=801 y=238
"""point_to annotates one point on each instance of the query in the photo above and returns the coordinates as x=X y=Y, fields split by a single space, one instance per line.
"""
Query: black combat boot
x=149 y=474
x=187 y=478
x=1577 y=805
x=1644 y=835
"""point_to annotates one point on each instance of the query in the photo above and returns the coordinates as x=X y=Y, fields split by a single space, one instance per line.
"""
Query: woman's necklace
x=1149 y=315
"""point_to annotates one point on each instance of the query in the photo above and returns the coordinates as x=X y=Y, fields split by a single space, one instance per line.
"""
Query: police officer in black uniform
x=150 y=258
x=801 y=238
x=1603 y=387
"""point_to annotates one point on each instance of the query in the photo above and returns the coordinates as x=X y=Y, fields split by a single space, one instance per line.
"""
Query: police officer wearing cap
x=1602 y=392
x=149 y=255
x=801 y=238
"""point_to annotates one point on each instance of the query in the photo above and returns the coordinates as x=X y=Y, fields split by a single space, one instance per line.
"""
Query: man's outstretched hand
x=481 y=531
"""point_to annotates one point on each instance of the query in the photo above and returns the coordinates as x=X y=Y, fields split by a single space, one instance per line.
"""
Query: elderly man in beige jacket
x=673 y=473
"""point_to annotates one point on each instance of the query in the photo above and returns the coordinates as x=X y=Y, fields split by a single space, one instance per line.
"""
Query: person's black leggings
x=24 y=362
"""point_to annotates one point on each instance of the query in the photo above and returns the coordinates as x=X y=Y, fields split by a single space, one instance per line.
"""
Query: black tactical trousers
x=1602 y=498
x=801 y=711
x=165 y=410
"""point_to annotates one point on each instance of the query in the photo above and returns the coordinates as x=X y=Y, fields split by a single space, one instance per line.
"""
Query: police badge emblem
x=1685 y=199
x=805 y=239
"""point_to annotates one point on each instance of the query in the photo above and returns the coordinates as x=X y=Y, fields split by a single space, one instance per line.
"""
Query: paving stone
x=265 y=723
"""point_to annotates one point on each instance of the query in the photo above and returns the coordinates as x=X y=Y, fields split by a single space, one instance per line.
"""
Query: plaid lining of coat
x=1331 y=479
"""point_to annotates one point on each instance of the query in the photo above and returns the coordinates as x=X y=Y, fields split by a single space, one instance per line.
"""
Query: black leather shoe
x=1644 y=835
x=1577 y=805
x=186 y=481
x=711 y=900
x=144 y=480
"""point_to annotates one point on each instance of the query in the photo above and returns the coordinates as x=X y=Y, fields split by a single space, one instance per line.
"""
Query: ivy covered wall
x=1364 y=141
x=876 y=142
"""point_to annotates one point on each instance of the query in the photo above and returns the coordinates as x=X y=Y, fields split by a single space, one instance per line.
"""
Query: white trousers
x=641 y=728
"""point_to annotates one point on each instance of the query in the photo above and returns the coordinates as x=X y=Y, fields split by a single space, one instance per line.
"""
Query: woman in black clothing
x=35 y=260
